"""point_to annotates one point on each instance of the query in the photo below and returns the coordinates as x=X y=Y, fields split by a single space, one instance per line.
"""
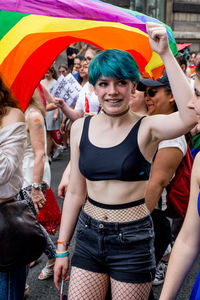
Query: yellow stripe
x=154 y=63
x=38 y=24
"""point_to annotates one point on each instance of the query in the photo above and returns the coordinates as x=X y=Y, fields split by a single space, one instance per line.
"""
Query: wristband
x=59 y=255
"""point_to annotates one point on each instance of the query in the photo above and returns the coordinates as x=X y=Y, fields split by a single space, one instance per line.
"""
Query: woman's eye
x=102 y=84
x=197 y=93
x=122 y=82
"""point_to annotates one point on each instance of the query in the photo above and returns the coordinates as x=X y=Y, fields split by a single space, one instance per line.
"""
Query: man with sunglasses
x=159 y=100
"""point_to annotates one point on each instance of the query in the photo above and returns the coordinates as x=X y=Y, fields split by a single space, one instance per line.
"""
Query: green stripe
x=9 y=19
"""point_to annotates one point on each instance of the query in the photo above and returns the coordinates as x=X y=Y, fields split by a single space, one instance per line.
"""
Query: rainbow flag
x=34 y=32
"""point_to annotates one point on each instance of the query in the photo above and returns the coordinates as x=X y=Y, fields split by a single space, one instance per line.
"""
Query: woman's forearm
x=38 y=169
x=181 y=88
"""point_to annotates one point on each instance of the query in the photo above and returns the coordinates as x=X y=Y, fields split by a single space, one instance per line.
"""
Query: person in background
x=36 y=170
x=66 y=122
x=73 y=51
x=137 y=102
x=160 y=100
x=114 y=151
x=77 y=64
x=87 y=103
x=12 y=141
x=195 y=148
x=192 y=63
x=63 y=70
x=53 y=118
x=187 y=245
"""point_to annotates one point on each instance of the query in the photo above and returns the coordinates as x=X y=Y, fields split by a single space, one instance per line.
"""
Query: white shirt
x=180 y=143
x=88 y=91
x=12 y=140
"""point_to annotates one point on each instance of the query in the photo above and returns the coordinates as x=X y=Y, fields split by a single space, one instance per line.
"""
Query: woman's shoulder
x=13 y=115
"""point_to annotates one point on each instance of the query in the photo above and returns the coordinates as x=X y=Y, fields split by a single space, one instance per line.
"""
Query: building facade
x=182 y=16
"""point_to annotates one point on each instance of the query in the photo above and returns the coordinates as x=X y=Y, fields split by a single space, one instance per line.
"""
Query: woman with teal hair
x=110 y=166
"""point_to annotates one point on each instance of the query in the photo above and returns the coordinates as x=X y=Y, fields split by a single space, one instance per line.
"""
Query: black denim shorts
x=125 y=250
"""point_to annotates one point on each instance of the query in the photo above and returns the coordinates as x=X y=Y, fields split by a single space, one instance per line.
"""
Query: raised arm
x=184 y=120
x=187 y=244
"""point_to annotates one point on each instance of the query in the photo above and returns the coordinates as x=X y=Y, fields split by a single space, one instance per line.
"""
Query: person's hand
x=38 y=199
x=62 y=188
x=59 y=102
x=158 y=37
x=60 y=270
x=55 y=116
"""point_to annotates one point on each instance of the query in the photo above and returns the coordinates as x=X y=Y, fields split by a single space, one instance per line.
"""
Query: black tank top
x=122 y=162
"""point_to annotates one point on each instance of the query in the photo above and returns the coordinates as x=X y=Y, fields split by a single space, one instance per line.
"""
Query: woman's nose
x=112 y=89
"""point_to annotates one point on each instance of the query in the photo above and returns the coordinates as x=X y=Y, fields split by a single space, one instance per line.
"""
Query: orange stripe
x=36 y=66
x=121 y=39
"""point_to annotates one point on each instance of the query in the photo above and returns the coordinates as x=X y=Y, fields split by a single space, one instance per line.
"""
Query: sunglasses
x=150 y=92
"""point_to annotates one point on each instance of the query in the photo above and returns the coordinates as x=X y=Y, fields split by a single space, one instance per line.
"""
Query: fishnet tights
x=130 y=291
x=86 y=285
x=116 y=215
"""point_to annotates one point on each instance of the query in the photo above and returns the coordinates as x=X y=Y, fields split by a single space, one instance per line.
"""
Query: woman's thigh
x=86 y=285
x=130 y=291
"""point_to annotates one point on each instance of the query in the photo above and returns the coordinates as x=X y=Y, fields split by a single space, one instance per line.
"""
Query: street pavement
x=45 y=289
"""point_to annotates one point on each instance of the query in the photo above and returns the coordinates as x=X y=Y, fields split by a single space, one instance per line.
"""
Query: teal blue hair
x=113 y=63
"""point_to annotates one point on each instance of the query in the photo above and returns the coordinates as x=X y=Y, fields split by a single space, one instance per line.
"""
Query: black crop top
x=122 y=162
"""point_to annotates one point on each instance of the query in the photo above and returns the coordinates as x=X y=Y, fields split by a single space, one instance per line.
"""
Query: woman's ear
x=171 y=99
x=134 y=85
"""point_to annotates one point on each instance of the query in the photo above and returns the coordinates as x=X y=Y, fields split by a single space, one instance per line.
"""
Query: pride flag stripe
x=34 y=32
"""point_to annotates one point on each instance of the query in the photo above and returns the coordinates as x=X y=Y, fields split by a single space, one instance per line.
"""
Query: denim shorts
x=125 y=250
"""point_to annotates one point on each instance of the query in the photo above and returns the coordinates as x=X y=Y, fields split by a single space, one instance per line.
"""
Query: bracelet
x=62 y=254
x=64 y=243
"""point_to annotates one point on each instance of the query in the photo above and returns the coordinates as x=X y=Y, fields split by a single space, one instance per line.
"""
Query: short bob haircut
x=113 y=63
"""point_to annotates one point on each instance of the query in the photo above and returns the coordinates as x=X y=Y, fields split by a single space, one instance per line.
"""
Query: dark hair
x=181 y=60
x=113 y=63
x=53 y=72
x=81 y=57
x=63 y=66
x=6 y=99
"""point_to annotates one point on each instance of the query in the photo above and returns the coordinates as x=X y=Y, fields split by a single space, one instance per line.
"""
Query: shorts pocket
x=81 y=230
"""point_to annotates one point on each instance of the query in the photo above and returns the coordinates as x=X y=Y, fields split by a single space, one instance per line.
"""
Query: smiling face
x=114 y=94
x=89 y=55
x=77 y=64
x=158 y=101
x=82 y=71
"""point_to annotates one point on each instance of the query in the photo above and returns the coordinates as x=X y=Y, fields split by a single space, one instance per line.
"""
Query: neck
x=116 y=115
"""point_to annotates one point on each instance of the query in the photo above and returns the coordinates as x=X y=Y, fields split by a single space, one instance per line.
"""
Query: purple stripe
x=75 y=9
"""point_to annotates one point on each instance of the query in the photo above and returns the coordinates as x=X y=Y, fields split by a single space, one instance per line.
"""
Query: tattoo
x=38 y=123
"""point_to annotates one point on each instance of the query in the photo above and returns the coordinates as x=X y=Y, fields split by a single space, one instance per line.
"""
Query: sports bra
x=122 y=162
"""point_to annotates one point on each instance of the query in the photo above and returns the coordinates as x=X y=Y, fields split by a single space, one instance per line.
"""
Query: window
x=152 y=8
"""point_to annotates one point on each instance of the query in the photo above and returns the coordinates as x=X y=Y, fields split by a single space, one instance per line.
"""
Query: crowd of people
x=127 y=136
